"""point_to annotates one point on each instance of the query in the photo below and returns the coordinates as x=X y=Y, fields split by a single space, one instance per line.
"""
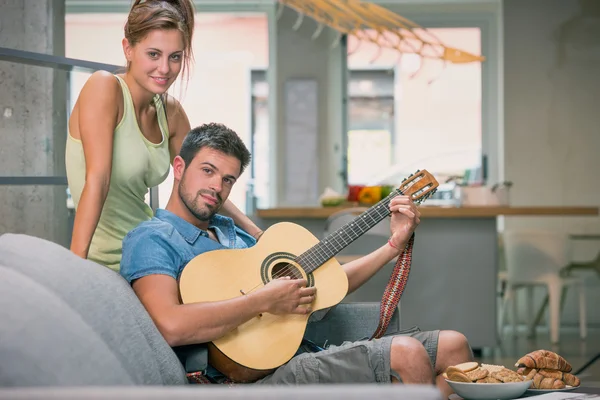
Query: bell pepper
x=369 y=195
x=353 y=191
x=386 y=190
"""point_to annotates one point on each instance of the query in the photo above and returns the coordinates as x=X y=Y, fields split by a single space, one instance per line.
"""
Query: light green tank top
x=137 y=165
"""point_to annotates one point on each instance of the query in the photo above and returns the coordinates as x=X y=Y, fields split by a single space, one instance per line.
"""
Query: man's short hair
x=215 y=136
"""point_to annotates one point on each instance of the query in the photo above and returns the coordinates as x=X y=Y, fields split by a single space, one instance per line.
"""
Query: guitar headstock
x=419 y=186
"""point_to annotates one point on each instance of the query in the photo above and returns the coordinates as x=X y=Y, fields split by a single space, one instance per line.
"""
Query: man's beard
x=191 y=203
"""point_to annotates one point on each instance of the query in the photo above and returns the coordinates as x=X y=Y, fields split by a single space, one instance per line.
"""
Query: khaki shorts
x=352 y=362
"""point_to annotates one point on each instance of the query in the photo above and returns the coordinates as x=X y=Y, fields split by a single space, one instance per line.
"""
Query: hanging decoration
x=372 y=23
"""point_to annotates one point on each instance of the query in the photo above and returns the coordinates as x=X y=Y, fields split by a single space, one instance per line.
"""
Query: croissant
x=528 y=373
x=544 y=359
x=571 y=379
x=542 y=382
x=566 y=377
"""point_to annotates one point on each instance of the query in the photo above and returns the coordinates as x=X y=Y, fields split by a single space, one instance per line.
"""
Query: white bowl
x=489 y=391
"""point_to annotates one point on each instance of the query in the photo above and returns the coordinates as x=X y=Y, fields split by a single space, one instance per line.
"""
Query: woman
x=125 y=130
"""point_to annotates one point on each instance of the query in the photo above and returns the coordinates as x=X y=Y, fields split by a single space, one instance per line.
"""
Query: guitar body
x=266 y=341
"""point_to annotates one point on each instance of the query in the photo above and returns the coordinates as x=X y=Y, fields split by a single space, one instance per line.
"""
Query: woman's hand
x=257 y=234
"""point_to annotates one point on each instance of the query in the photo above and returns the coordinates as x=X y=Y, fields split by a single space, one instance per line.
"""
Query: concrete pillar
x=33 y=121
x=298 y=55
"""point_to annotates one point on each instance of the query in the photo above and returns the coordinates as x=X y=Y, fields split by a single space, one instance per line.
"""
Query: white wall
x=552 y=118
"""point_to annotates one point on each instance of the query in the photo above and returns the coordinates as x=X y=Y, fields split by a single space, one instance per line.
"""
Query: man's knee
x=453 y=348
x=410 y=360
x=453 y=341
x=407 y=350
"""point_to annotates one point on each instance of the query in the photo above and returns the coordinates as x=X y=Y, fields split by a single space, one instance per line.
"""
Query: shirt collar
x=191 y=232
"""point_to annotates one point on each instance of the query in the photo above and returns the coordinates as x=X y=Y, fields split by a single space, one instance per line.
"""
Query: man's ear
x=178 y=167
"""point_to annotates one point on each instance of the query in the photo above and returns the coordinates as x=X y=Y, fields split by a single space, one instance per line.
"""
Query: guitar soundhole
x=280 y=264
x=285 y=269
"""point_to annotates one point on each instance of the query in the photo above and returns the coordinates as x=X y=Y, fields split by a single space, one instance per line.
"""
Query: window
x=433 y=115
x=404 y=114
x=370 y=135
x=370 y=123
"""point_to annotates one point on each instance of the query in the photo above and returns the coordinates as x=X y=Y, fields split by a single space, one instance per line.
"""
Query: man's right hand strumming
x=287 y=296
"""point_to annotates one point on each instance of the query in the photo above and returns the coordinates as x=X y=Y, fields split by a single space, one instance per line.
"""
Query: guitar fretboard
x=317 y=255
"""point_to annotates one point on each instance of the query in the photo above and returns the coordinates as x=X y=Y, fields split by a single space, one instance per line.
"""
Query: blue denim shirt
x=166 y=243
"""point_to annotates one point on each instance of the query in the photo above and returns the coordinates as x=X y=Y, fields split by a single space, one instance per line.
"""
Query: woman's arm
x=96 y=119
x=180 y=128
x=230 y=210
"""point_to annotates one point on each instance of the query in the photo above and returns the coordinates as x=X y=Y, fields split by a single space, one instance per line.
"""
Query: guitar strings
x=290 y=269
x=309 y=254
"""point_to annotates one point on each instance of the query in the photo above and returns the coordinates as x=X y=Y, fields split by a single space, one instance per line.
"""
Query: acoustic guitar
x=255 y=348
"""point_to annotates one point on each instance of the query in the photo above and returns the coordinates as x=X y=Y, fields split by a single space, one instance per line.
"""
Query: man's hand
x=287 y=296
x=405 y=219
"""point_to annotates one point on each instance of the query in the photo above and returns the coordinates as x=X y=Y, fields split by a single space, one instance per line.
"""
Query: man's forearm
x=205 y=322
x=361 y=270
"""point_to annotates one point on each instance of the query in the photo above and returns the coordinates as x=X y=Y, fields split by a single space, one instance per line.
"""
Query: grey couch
x=71 y=328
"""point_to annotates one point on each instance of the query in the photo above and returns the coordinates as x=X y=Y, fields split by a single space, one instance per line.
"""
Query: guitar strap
x=393 y=290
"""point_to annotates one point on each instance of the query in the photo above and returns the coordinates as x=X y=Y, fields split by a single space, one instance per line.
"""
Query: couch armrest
x=348 y=322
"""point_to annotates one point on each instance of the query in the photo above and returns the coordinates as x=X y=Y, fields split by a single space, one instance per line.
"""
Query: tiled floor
x=575 y=350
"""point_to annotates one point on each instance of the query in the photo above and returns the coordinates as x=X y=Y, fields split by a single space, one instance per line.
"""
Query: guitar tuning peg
x=403 y=179
x=418 y=171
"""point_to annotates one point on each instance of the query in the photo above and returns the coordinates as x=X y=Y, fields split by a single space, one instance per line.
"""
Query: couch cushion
x=68 y=321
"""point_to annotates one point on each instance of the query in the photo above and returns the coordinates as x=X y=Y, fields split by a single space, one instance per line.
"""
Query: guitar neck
x=317 y=255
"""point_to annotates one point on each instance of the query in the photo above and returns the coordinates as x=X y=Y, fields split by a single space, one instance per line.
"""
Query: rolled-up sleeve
x=148 y=252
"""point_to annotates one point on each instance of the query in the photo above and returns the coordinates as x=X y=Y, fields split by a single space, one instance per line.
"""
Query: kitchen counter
x=435 y=212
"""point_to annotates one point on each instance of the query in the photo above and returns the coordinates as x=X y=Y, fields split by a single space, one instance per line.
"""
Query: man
x=212 y=158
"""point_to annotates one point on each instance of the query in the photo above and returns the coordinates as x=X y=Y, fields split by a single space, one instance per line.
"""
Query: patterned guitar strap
x=394 y=289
